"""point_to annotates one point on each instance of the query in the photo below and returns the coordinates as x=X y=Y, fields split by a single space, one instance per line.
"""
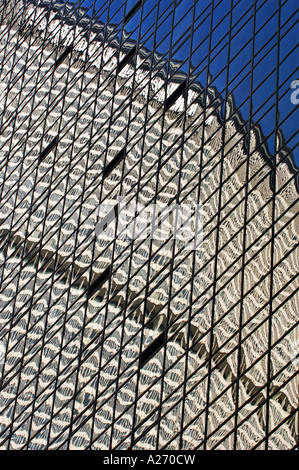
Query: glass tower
x=149 y=224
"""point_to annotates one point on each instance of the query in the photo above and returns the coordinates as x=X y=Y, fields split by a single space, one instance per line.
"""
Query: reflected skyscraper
x=110 y=340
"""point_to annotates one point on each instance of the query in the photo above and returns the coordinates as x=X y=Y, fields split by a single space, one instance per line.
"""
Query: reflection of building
x=119 y=344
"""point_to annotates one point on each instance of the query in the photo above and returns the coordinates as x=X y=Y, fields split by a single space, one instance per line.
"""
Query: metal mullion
x=85 y=304
x=188 y=347
x=58 y=95
x=215 y=367
x=18 y=33
x=171 y=265
x=233 y=36
x=177 y=360
x=113 y=82
x=296 y=410
x=57 y=98
x=264 y=401
x=199 y=445
x=237 y=167
x=29 y=314
x=232 y=136
x=224 y=359
x=148 y=262
x=24 y=41
x=15 y=60
x=217 y=249
x=259 y=406
x=251 y=398
x=122 y=323
x=273 y=235
x=123 y=38
x=228 y=340
x=256 y=64
x=260 y=144
x=239 y=107
x=236 y=304
x=26 y=139
x=49 y=41
x=212 y=402
x=117 y=388
x=82 y=330
x=177 y=388
x=50 y=293
x=96 y=12
x=264 y=80
x=6 y=53
x=182 y=35
x=226 y=389
x=219 y=42
x=46 y=40
x=167 y=412
x=254 y=286
x=145 y=37
x=25 y=337
x=93 y=247
x=30 y=167
x=110 y=18
x=248 y=42
x=179 y=43
x=11 y=224
x=3 y=12
x=89 y=98
x=58 y=175
x=106 y=45
x=266 y=163
x=242 y=289
x=52 y=103
x=67 y=294
x=27 y=133
x=228 y=242
x=20 y=264
x=243 y=68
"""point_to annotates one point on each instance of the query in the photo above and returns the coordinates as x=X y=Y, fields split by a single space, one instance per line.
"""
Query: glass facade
x=177 y=330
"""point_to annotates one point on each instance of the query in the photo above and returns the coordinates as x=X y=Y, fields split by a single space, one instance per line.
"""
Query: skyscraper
x=149 y=224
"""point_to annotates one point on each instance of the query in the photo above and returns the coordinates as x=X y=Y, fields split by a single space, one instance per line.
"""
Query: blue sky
x=265 y=77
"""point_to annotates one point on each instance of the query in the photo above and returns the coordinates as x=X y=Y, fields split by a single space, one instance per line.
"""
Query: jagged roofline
x=233 y=115
x=68 y=12
x=202 y=351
